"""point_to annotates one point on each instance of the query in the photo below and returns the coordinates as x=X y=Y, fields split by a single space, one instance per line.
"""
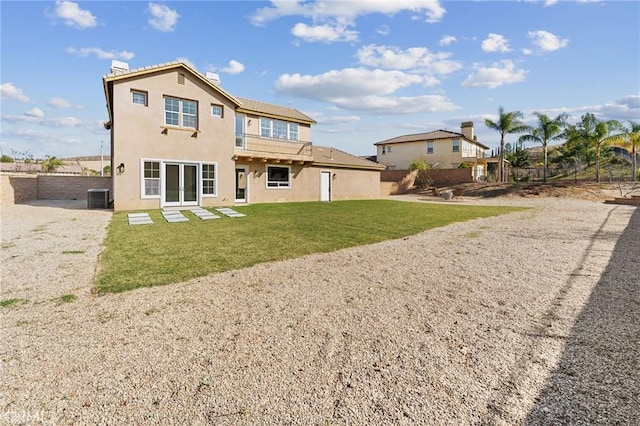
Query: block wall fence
x=18 y=188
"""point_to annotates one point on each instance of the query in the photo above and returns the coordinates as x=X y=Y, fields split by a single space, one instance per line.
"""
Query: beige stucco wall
x=139 y=133
x=305 y=184
x=403 y=154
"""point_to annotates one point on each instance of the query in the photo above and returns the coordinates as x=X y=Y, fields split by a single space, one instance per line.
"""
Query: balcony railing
x=252 y=145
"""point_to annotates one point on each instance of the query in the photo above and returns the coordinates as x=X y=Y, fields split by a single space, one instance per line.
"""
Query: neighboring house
x=441 y=149
x=179 y=139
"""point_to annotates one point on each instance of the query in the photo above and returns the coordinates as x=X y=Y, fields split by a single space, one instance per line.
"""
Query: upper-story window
x=139 y=97
x=386 y=149
x=429 y=147
x=455 y=145
x=180 y=112
x=278 y=129
x=216 y=110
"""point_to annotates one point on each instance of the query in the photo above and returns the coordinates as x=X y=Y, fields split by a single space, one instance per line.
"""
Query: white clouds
x=162 y=18
x=59 y=103
x=332 y=18
x=446 y=40
x=83 y=52
x=359 y=89
x=346 y=10
x=413 y=58
x=10 y=91
x=335 y=120
x=546 y=41
x=234 y=67
x=35 y=112
x=186 y=61
x=495 y=43
x=73 y=16
x=349 y=82
x=36 y=116
x=323 y=33
x=500 y=73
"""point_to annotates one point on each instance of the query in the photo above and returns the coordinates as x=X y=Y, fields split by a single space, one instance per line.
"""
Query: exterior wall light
x=120 y=168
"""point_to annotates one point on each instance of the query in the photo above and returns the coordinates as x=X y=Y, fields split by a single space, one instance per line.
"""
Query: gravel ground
x=528 y=318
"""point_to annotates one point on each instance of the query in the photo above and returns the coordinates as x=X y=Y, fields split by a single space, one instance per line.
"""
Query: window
x=429 y=147
x=456 y=145
x=151 y=178
x=278 y=177
x=180 y=112
x=138 y=97
x=388 y=149
x=209 y=179
x=240 y=131
x=293 y=131
x=278 y=129
x=384 y=149
x=216 y=110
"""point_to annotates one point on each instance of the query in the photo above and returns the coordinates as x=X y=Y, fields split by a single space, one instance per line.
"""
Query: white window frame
x=430 y=147
x=268 y=129
x=278 y=184
x=219 y=107
x=214 y=179
x=455 y=147
x=181 y=112
x=140 y=93
x=144 y=179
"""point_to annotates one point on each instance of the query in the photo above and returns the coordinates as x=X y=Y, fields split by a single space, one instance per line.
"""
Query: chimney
x=467 y=130
x=213 y=77
x=118 y=67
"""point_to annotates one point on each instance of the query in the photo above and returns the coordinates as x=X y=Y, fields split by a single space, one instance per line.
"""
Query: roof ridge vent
x=119 y=67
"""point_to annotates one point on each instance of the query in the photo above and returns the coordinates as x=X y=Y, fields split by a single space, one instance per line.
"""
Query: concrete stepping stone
x=173 y=216
x=204 y=214
x=139 y=218
x=230 y=212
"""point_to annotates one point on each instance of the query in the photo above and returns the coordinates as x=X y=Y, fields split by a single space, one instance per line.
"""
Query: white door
x=180 y=184
x=325 y=186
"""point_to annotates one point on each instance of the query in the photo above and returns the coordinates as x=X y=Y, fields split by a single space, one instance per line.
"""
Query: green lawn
x=163 y=253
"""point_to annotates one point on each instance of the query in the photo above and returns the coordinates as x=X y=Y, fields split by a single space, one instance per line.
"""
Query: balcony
x=251 y=147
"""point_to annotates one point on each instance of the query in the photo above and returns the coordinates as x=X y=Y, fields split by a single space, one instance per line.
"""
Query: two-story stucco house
x=179 y=139
x=441 y=149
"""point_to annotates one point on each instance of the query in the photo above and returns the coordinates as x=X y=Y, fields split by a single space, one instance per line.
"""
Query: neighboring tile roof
x=327 y=156
x=276 y=111
x=428 y=136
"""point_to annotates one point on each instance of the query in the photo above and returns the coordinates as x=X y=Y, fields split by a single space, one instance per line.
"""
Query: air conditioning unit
x=98 y=198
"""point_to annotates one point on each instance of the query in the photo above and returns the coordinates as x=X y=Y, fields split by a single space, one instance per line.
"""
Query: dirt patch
x=580 y=190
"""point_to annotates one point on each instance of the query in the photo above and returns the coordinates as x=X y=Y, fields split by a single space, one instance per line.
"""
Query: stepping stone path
x=139 y=218
x=174 y=216
x=229 y=212
x=204 y=214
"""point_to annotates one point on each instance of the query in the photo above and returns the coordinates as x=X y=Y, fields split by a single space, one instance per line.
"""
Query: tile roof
x=327 y=156
x=274 y=110
x=165 y=66
x=428 y=136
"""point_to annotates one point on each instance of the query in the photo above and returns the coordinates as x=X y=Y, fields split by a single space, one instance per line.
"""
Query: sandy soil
x=525 y=318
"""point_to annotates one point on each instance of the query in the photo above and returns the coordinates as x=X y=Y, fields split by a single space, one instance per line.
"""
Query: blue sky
x=365 y=70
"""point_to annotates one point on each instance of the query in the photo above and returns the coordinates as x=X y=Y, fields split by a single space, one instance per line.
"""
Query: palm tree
x=51 y=164
x=595 y=133
x=508 y=123
x=548 y=130
x=632 y=143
